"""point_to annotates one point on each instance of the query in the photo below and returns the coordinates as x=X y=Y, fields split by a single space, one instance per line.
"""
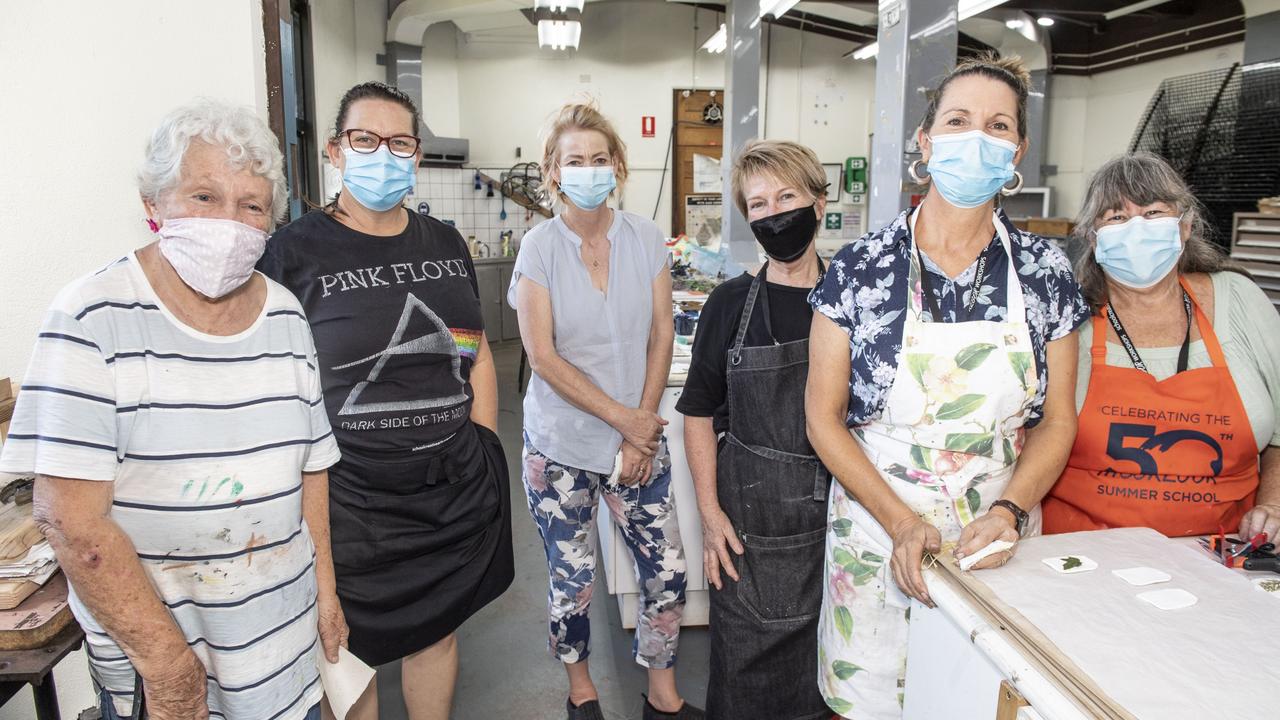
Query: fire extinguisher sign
x=648 y=126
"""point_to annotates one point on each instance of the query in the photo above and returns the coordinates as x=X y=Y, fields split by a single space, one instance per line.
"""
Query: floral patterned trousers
x=563 y=503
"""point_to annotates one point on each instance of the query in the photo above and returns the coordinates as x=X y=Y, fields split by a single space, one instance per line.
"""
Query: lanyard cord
x=1184 y=353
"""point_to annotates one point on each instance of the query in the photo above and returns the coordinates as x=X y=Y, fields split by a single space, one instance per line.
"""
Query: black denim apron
x=764 y=628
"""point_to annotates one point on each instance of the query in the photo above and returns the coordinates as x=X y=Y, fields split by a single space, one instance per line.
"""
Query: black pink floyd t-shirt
x=397 y=325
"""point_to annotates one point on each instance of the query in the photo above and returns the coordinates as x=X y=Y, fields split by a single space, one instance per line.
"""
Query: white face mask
x=212 y=255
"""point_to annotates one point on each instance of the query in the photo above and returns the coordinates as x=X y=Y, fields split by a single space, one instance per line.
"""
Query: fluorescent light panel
x=776 y=8
x=1045 y=21
x=718 y=41
x=559 y=34
x=558 y=5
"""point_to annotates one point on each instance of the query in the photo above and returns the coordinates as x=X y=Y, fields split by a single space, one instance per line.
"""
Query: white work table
x=1214 y=659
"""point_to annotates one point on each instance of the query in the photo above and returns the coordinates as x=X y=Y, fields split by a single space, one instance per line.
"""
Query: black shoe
x=589 y=710
x=686 y=712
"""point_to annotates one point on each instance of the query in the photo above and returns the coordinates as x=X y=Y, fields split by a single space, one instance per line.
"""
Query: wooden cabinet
x=500 y=322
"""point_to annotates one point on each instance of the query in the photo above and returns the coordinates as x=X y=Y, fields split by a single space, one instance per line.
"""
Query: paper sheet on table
x=1215 y=659
x=343 y=681
x=39 y=560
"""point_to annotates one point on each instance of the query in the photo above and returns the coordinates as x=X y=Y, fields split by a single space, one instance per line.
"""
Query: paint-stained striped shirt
x=205 y=439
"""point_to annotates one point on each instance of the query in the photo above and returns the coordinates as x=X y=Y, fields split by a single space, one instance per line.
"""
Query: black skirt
x=421 y=544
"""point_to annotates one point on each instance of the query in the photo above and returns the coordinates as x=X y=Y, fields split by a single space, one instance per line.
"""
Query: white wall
x=632 y=55
x=100 y=75
x=1092 y=119
x=347 y=36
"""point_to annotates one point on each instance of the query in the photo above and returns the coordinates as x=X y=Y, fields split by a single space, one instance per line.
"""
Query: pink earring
x=152 y=224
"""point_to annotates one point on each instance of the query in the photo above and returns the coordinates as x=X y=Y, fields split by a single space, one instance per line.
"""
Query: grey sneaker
x=686 y=712
x=589 y=710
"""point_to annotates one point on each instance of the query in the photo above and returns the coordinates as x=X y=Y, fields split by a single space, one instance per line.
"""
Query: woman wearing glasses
x=419 y=505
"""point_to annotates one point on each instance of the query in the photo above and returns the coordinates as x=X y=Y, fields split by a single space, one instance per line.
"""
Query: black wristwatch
x=1019 y=515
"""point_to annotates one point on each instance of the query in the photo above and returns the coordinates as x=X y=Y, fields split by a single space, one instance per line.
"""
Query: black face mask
x=785 y=236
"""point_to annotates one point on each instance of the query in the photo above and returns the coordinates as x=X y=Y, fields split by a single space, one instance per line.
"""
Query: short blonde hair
x=789 y=162
x=579 y=116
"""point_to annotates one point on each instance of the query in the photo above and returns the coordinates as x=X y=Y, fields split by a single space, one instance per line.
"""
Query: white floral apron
x=946 y=443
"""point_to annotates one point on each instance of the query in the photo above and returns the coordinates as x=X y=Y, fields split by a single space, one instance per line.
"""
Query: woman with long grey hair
x=1178 y=386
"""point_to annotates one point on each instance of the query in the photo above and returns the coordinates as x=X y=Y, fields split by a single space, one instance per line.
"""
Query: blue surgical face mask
x=969 y=168
x=587 y=187
x=1141 y=252
x=378 y=180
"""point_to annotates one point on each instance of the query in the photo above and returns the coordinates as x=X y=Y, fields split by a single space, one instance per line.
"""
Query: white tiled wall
x=452 y=197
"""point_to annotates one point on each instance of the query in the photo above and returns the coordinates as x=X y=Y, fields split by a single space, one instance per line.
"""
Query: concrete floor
x=506 y=671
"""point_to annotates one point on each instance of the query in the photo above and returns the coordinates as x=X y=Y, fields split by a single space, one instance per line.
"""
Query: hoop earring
x=1007 y=191
x=914 y=171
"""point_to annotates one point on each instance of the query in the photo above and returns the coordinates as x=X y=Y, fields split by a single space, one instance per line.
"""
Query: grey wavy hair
x=246 y=138
x=1143 y=178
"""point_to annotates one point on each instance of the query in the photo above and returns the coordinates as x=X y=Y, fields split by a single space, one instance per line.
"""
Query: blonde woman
x=593 y=293
x=762 y=492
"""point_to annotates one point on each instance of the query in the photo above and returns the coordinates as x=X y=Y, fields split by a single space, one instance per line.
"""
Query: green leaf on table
x=844 y=621
x=844 y=670
x=1070 y=562
x=972 y=356
x=960 y=407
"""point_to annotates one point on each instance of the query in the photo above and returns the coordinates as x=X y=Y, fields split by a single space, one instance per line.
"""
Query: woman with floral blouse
x=941 y=380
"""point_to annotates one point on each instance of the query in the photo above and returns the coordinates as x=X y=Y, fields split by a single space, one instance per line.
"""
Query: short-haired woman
x=1178 y=386
x=420 y=502
x=171 y=416
x=593 y=291
x=942 y=364
x=762 y=492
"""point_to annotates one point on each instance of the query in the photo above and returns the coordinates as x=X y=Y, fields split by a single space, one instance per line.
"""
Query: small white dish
x=1170 y=599
x=1142 y=575
x=1270 y=586
x=1070 y=564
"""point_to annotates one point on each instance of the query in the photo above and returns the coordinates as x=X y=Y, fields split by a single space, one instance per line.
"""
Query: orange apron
x=1177 y=455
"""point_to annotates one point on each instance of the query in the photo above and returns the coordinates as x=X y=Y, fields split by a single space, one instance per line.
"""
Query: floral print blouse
x=865 y=292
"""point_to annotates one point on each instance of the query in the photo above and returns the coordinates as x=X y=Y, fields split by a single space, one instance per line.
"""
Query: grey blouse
x=604 y=335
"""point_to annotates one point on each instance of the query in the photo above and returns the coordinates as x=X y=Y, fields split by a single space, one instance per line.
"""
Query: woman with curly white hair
x=172 y=415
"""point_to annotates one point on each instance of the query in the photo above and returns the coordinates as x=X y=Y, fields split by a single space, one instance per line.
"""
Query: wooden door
x=698 y=131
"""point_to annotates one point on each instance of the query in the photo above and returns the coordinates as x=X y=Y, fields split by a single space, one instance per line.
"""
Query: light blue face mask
x=378 y=180
x=969 y=168
x=587 y=187
x=1141 y=252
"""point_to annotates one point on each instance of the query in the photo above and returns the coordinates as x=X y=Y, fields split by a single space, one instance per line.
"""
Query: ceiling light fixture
x=774 y=9
x=559 y=34
x=717 y=43
x=559 y=6
x=866 y=52
x=1044 y=21
x=1013 y=24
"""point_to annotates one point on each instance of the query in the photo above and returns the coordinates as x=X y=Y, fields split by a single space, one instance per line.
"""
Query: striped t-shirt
x=205 y=438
